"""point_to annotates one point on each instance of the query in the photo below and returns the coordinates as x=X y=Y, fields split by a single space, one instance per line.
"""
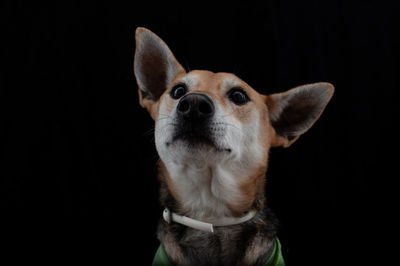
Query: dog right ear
x=293 y=112
x=155 y=67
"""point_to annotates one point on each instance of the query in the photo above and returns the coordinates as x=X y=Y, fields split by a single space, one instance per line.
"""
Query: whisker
x=149 y=132
x=162 y=118
x=222 y=116
x=228 y=124
x=164 y=114
x=166 y=125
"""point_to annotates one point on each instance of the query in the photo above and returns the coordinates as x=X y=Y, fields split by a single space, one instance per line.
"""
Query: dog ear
x=293 y=112
x=155 y=67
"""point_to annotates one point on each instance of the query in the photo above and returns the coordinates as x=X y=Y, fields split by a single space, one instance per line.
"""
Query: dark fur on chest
x=249 y=243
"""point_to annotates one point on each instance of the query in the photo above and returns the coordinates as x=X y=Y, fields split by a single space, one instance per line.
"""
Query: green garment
x=276 y=259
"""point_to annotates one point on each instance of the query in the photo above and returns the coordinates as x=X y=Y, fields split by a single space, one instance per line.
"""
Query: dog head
x=214 y=129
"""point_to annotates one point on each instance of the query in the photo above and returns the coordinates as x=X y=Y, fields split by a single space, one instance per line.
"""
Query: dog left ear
x=155 y=67
x=293 y=112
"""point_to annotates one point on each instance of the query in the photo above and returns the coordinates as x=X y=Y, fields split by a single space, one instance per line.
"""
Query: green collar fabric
x=276 y=258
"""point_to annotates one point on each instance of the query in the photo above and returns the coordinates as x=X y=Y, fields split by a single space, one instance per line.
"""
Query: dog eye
x=238 y=96
x=178 y=91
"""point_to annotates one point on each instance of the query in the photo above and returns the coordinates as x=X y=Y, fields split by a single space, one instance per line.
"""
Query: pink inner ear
x=155 y=66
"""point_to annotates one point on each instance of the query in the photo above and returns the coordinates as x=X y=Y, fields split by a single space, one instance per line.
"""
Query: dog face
x=206 y=117
x=213 y=131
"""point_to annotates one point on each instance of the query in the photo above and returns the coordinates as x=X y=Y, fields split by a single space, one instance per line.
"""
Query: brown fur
x=282 y=118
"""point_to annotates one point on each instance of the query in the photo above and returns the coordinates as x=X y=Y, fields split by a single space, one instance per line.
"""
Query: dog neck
x=210 y=193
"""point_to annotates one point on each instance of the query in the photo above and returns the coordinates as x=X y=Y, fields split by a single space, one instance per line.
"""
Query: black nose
x=196 y=106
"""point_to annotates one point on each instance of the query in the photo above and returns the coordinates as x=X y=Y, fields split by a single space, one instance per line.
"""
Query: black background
x=78 y=156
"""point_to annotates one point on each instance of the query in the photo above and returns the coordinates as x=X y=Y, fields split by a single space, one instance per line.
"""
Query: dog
x=213 y=133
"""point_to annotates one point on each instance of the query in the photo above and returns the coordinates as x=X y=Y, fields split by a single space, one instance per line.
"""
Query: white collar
x=208 y=227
